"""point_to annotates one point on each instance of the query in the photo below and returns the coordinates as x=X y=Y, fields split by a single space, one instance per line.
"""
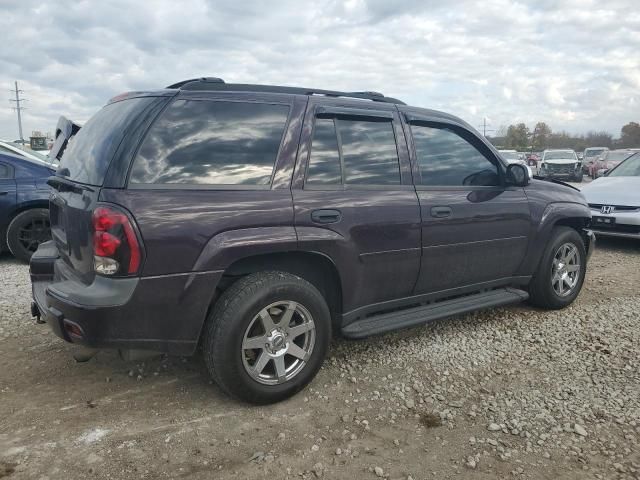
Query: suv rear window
x=212 y=143
x=89 y=154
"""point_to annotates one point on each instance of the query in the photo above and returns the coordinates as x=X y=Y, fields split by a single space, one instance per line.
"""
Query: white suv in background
x=561 y=164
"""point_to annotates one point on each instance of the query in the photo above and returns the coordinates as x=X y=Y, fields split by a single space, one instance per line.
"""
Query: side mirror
x=518 y=175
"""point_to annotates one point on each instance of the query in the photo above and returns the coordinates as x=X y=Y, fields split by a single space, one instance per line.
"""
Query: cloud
x=571 y=63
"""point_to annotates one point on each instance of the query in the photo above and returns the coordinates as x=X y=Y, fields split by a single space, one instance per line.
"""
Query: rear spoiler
x=65 y=129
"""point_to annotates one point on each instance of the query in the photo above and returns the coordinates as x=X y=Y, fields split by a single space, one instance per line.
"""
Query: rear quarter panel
x=200 y=230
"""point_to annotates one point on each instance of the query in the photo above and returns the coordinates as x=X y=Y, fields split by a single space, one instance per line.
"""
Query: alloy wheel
x=565 y=270
x=278 y=342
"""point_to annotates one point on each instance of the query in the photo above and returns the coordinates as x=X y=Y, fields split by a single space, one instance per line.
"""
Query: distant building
x=39 y=141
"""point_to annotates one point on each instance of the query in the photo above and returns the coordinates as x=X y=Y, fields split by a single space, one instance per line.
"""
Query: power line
x=18 y=108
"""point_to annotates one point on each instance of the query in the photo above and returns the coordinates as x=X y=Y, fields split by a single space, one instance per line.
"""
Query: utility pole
x=484 y=127
x=18 y=109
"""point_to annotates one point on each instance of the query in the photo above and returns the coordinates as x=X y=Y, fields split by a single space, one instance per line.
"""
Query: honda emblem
x=606 y=209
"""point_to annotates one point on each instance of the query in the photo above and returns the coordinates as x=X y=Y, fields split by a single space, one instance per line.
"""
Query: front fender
x=576 y=214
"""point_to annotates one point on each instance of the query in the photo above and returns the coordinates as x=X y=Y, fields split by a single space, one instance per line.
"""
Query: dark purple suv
x=253 y=221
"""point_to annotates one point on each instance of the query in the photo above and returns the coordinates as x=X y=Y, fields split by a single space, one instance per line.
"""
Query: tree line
x=520 y=137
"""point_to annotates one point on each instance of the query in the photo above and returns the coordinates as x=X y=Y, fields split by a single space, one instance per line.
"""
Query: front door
x=475 y=228
x=354 y=200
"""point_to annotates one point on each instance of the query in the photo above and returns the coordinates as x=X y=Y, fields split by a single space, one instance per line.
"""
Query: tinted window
x=369 y=152
x=87 y=158
x=324 y=162
x=204 y=142
x=4 y=171
x=445 y=158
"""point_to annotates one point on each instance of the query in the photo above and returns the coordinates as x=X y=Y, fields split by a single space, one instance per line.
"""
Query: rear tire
x=267 y=337
x=561 y=271
x=26 y=231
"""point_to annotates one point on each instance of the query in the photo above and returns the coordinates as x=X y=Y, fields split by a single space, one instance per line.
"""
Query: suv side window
x=212 y=143
x=369 y=152
x=447 y=159
x=356 y=152
x=324 y=162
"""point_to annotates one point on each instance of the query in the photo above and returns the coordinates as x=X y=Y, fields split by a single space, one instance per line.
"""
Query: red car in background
x=533 y=159
x=607 y=160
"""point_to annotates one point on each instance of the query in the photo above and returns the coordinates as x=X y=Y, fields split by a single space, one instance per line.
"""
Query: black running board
x=411 y=317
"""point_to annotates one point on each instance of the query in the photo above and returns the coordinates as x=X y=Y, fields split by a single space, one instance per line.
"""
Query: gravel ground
x=506 y=393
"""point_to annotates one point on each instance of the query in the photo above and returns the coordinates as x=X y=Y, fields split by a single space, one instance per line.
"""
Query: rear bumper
x=164 y=313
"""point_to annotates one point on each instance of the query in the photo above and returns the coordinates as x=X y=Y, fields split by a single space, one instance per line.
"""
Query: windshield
x=593 y=153
x=560 y=155
x=618 y=156
x=629 y=168
x=90 y=151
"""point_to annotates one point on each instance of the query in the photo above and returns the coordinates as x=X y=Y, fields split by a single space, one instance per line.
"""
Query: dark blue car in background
x=24 y=205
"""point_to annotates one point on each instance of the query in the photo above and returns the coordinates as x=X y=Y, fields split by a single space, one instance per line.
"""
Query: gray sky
x=572 y=63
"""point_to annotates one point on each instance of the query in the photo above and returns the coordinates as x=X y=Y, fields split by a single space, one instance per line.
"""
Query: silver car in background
x=511 y=156
x=614 y=200
x=561 y=164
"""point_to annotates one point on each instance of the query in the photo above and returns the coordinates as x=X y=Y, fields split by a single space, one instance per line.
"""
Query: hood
x=614 y=191
x=561 y=161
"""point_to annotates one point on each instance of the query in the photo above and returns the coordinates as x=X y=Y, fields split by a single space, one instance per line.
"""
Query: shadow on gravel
x=624 y=245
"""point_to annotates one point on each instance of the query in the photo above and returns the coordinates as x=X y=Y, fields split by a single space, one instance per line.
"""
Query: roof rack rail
x=217 y=84
x=201 y=79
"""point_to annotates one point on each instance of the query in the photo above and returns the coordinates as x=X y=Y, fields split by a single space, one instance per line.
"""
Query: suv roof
x=217 y=84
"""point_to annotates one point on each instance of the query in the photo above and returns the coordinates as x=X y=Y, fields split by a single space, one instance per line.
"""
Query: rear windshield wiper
x=60 y=184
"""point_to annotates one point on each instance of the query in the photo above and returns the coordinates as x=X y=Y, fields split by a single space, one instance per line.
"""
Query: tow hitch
x=35 y=312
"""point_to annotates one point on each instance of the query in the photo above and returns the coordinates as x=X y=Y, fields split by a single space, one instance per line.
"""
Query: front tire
x=578 y=177
x=267 y=337
x=26 y=231
x=561 y=271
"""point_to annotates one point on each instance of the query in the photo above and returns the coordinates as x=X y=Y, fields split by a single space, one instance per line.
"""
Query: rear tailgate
x=65 y=130
x=80 y=177
x=70 y=210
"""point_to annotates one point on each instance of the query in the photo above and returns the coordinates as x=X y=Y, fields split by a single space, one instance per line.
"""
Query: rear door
x=475 y=229
x=355 y=202
x=7 y=196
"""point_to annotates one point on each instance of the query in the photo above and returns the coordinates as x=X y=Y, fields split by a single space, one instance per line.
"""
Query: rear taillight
x=116 y=249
